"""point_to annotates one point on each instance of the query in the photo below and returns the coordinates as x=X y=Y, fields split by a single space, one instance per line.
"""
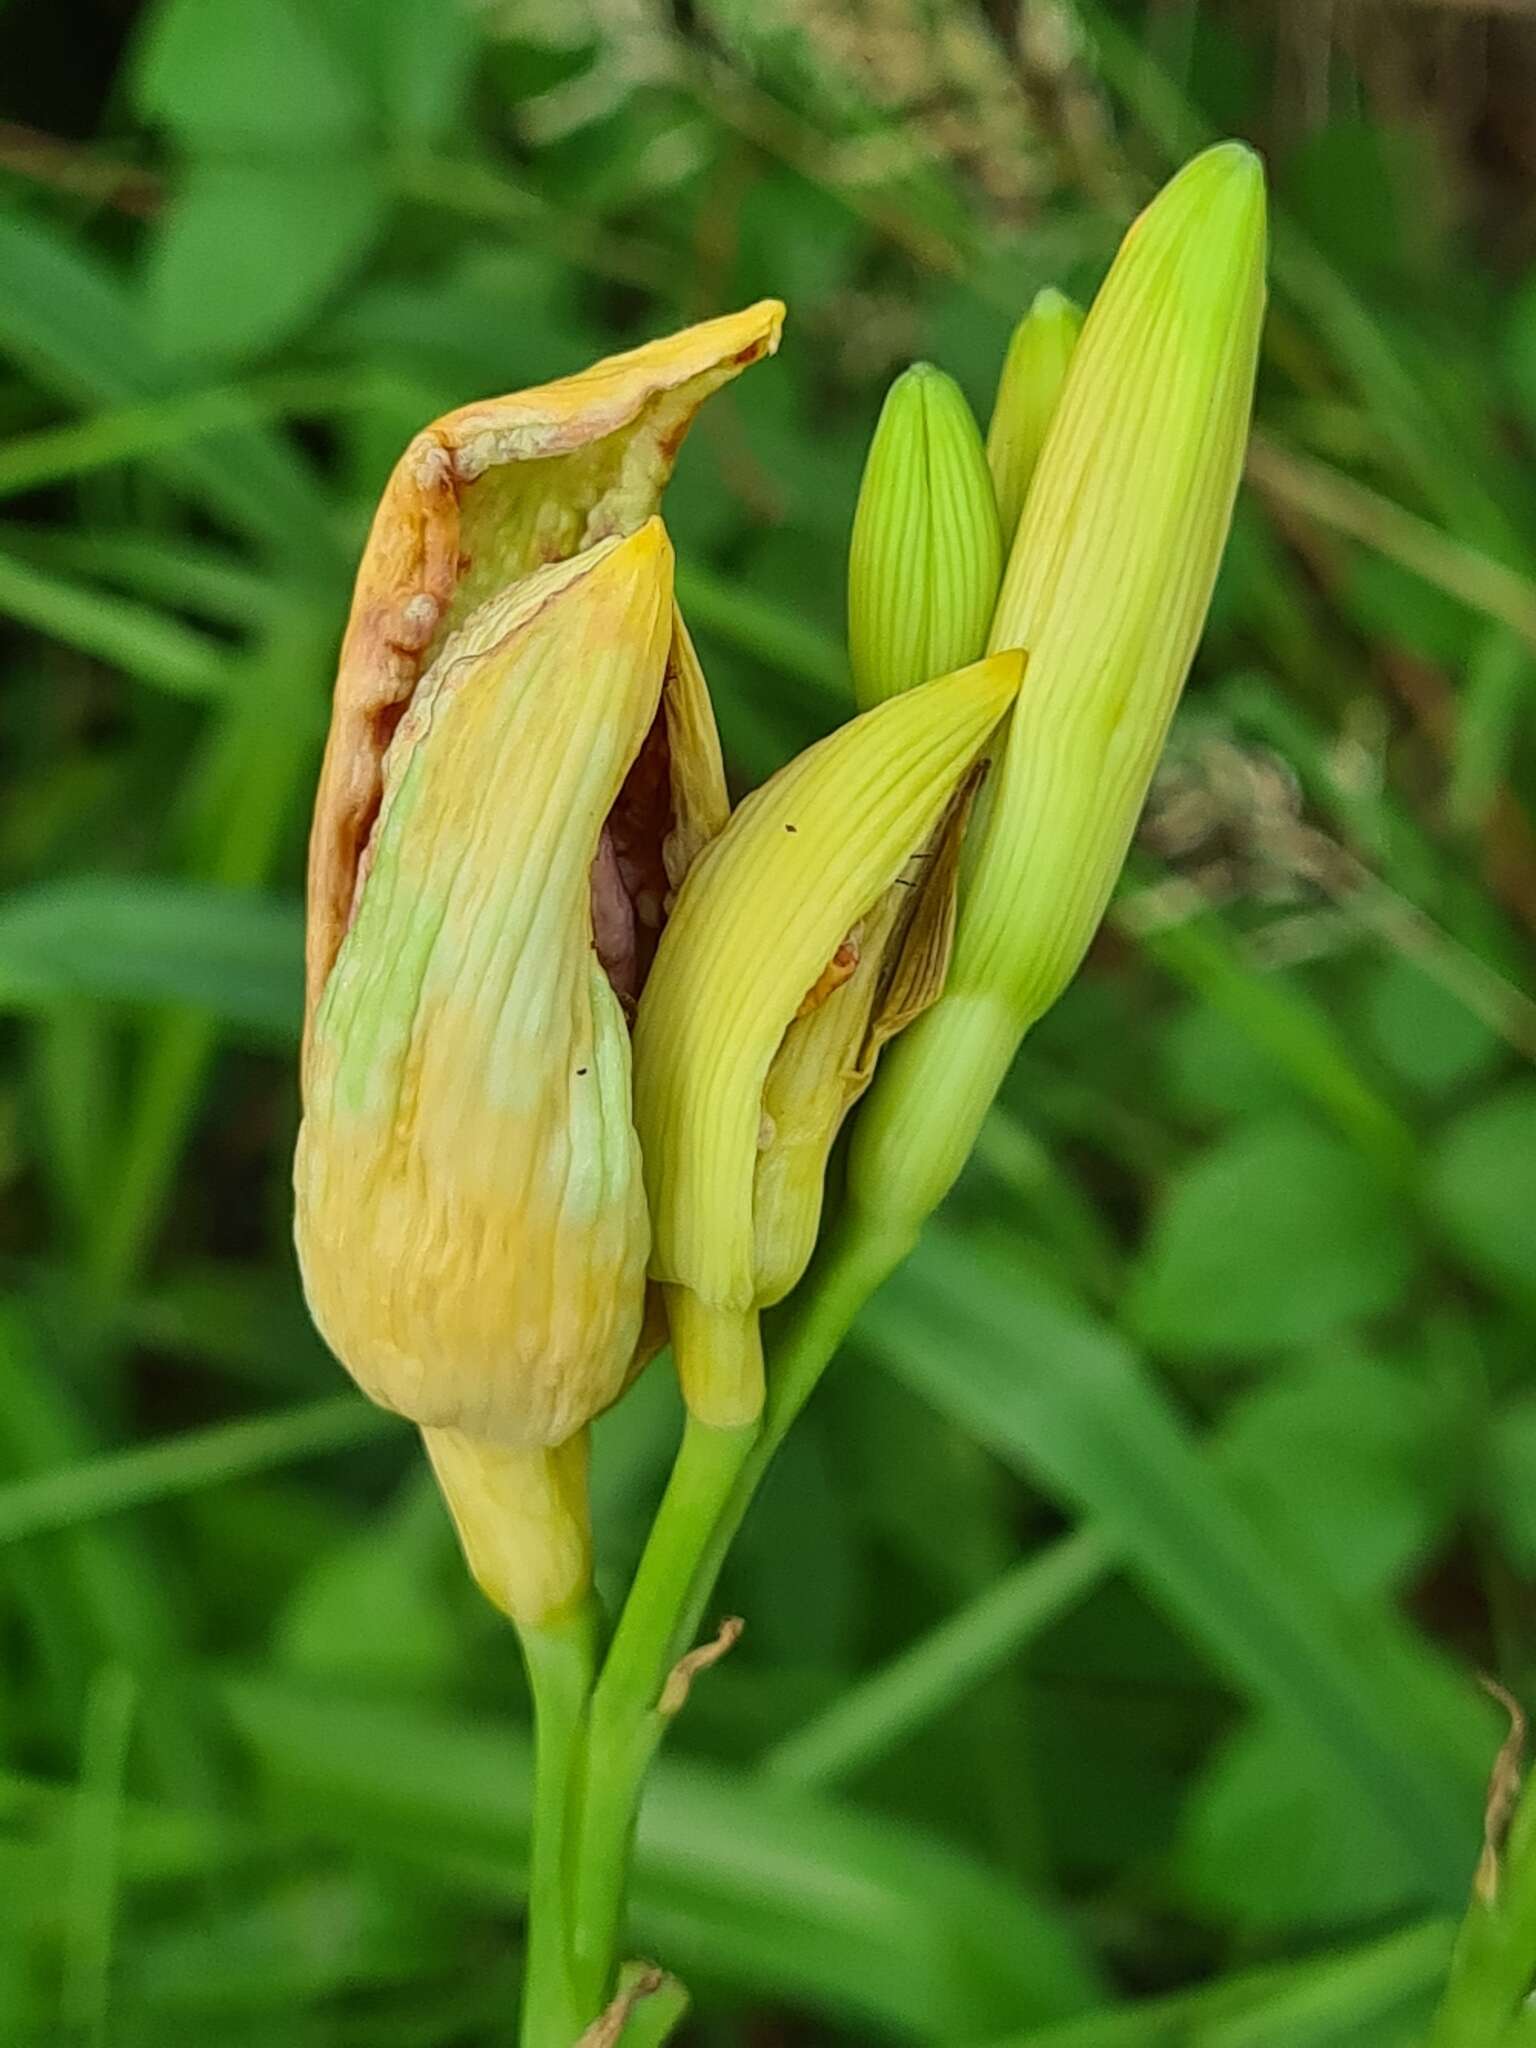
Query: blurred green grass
x=1115 y=1609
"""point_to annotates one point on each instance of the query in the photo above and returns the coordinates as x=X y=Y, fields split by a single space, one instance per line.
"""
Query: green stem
x=626 y=1722
x=561 y=1658
x=859 y=1257
x=713 y=1481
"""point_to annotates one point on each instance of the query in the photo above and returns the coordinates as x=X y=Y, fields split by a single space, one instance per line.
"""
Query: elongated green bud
x=1034 y=371
x=1107 y=587
x=926 y=554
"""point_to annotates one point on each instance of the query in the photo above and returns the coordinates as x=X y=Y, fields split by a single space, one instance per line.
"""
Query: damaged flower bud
x=471 y=1220
x=814 y=927
x=521 y=767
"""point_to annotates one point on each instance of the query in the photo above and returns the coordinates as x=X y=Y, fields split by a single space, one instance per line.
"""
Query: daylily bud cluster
x=579 y=1040
x=1127 y=442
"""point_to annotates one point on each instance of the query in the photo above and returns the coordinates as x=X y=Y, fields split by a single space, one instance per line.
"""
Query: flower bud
x=480 y=498
x=470 y=1215
x=1107 y=586
x=799 y=942
x=522 y=763
x=1034 y=370
x=926 y=553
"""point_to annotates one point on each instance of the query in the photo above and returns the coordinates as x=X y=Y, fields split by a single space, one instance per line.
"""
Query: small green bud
x=927 y=552
x=1107 y=587
x=1034 y=370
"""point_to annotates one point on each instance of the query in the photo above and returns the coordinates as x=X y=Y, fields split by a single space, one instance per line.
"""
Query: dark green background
x=1208 y=1410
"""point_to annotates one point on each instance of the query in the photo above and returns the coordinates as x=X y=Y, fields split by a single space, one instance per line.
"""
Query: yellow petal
x=899 y=960
x=700 y=802
x=484 y=496
x=469 y=1209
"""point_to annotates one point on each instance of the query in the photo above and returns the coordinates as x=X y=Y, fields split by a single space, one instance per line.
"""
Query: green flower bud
x=1034 y=370
x=926 y=554
x=1107 y=587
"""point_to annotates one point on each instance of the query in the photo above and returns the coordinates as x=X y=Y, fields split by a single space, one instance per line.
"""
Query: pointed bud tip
x=1006 y=673
x=1224 y=185
x=1233 y=160
x=648 y=542
x=1210 y=220
x=1049 y=304
x=642 y=557
x=1234 y=176
x=921 y=385
x=988 y=686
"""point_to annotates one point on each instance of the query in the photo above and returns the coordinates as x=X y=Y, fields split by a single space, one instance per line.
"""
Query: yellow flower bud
x=480 y=498
x=1034 y=370
x=521 y=766
x=799 y=942
x=470 y=1216
x=1107 y=587
x=926 y=553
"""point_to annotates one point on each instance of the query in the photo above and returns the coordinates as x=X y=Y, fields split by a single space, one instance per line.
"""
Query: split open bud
x=927 y=552
x=1107 y=587
x=479 y=499
x=522 y=765
x=1034 y=371
x=814 y=927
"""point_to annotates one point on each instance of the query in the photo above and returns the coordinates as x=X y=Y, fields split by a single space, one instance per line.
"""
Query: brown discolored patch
x=383 y=723
x=629 y=876
x=673 y=439
x=840 y=968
